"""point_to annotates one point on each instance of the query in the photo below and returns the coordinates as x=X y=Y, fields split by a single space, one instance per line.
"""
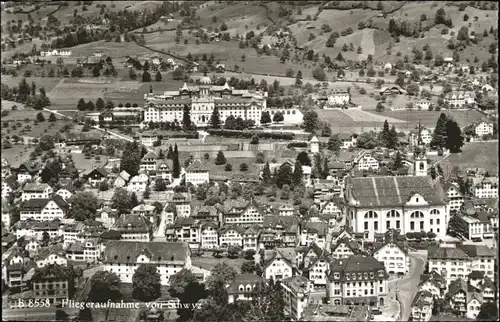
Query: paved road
x=34 y=314
x=408 y=285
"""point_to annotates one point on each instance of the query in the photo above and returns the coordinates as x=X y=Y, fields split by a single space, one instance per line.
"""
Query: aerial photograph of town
x=249 y=161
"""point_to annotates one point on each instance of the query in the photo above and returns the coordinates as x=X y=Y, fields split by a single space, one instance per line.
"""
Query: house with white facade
x=50 y=255
x=209 y=235
x=134 y=228
x=367 y=162
x=231 y=236
x=483 y=128
x=421 y=307
x=394 y=256
x=455 y=197
x=44 y=209
x=458 y=261
x=486 y=187
x=296 y=291
x=197 y=173
x=479 y=225
x=279 y=263
x=338 y=97
x=460 y=99
x=36 y=191
x=242 y=287
x=138 y=183
x=124 y=257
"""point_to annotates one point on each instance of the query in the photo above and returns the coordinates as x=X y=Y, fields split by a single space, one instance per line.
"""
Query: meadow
x=17 y=155
x=474 y=155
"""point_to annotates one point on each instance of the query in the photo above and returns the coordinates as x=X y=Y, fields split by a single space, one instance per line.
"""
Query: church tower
x=420 y=156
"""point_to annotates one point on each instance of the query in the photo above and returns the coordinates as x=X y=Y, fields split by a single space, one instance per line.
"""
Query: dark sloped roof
x=136 y=222
x=197 y=165
x=118 y=251
x=243 y=279
x=436 y=252
x=394 y=191
x=457 y=286
x=357 y=264
x=52 y=271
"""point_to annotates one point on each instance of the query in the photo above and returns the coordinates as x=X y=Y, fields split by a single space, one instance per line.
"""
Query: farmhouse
x=338 y=97
x=460 y=99
x=483 y=128
x=36 y=191
x=44 y=209
x=55 y=52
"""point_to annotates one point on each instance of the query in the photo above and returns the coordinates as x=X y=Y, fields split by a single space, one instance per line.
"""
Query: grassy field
x=429 y=118
x=22 y=115
x=47 y=83
x=209 y=262
x=17 y=154
x=474 y=155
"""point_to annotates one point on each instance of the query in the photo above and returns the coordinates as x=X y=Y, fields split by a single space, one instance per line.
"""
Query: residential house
x=181 y=201
x=9 y=185
x=460 y=99
x=51 y=255
x=282 y=231
x=368 y=162
x=279 y=263
x=345 y=247
x=36 y=191
x=187 y=230
x=107 y=216
x=242 y=212
x=251 y=238
x=486 y=187
x=356 y=280
x=96 y=176
x=148 y=161
x=164 y=170
x=220 y=68
x=390 y=90
x=393 y=254
x=209 y=235
x=138 y=183
x=123 y=258
x=433 y=283
x=338 y=97
x=121 y=180
x=314 y=262
x=88 y=251
x=134 y=228
x=313 y=231
x=348 y=140
x=145 y=210
x=483 y=128
x=242 y=287
x=478 y=226
x=421 y=307
x=66 y=191
x=53 y=282
x=27 y=172
x=296 y=293
x=425 y=136
x=231 y=236
x=44 y=209
x=455 y=197
x=458 y=261
x=197 y=173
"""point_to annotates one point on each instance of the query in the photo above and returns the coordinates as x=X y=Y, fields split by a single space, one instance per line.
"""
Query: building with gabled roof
x=134 y=227
x=197 y=173
x=123 y=258
x=44 y=209
x=296 y=291
x=242 y=287
x=313 y=232
x=231 y=235
x=407 y=203
x=242 y=212
x=421 y=307
x=314 y=262
x=345 y=247
x=433 y=283
x=393 y=254
x=53 y=282
x=283 y=231
x=279 y=263
x=346 y=277
x=36 y=191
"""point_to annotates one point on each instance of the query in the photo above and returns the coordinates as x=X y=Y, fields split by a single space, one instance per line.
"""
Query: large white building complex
x=410 y=204
x=202 y=100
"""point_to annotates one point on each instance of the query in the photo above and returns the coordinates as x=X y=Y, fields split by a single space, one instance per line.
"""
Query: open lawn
x=429 y=118
x=353 y=121
x=36 y=131
x=7 y=105
x=474 y=155
x=209 y=262
x=22 y=115
x=17 y=154
x=47 y=83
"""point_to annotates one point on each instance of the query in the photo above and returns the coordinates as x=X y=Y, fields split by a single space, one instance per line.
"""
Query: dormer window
x=380 y=273
x=365 y=275
x=372 y=275
x=348 y=276
x=336 y=276
x=241 y=288
x=354 y=277
x=249 y=288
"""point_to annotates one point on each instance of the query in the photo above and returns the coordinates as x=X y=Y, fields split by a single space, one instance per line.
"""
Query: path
x=408 y=285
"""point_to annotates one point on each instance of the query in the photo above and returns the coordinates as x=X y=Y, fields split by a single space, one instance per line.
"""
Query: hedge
x=296 y=145
x=249 y=134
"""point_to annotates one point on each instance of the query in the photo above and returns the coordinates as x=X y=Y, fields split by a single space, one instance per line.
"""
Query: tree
x=331 y=41
x=297 y=174
x=412 y=89
x=186 y=118
x=81 y=106
x=179 y=281
x=84 y=206
x=221 y=272
x=304 y=159
x=160 y=185
x=215 y=121
x=385 y=135
x=334 y=144
x=90 y=106
x=104 y=286
x=176 y=164
x=278 y=117
x=310 y=121
x=45 y=238
x=266 y=173
x=380 y=107
x=439 y=137
x=393 y=138
x=243 y=167
x=131 y=160
x=228 y=167
x=146 y=77
x=132 y=74
x=40 y=117
x=454 y=137
x=254 y=139
x=366 y=140
x=284 y=175
x=220 y=159
x=121 y=201
x=488 y=312
x=319 y=74
x=146 y=284
x=99 y=104
x=158 y=76
x=96 y=72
